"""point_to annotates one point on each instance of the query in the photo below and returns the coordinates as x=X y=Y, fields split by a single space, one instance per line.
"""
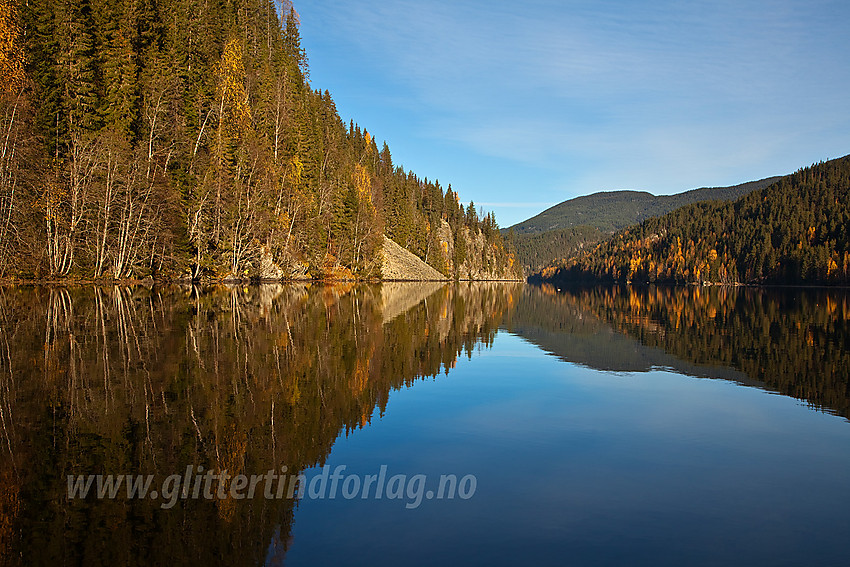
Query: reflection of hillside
x=398 y=297
x=132 y=380
x=557 y=324
x=791 y=341
x=474 y=307
x=794 y=341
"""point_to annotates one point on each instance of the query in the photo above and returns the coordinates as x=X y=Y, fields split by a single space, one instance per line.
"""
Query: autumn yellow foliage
x=11 y=55
x=235 y=112
x=337 y=273
x=363 y=183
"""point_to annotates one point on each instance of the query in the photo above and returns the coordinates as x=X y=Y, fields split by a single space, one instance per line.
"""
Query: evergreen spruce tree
x=183 y=137
x=78 y=66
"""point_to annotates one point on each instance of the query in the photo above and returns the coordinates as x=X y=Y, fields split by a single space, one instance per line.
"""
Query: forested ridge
x=796 y=231
x=578 y=224
x=536 y=251
x=179 y=138
x=612 y=210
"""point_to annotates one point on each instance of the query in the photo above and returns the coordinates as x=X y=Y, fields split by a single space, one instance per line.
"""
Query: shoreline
x=578 y=284
x=81 y=282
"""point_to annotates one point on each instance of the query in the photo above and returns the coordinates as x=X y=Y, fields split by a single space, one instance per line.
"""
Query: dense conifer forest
x=178 y=138
x=796 y=231
x=536 y=251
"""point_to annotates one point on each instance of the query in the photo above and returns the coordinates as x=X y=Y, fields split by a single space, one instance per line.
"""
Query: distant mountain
x=612 y=210
x=795 y=231
x=535 y=251
x=570 y=227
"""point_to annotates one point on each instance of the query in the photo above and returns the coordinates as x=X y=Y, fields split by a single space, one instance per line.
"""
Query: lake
x=422 y=424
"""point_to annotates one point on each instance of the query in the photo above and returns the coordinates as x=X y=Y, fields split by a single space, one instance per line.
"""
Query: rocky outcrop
x=399 y=264
x=272 y=271
x=469 y=256
x=466 y=256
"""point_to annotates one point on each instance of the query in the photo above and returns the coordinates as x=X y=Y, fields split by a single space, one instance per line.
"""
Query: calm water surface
x=601 y=426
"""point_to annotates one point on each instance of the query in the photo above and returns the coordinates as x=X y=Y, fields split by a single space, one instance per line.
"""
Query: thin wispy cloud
x=585 y=96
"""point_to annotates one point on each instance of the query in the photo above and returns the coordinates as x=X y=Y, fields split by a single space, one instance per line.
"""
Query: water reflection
x=135 y=380
x=793 y=341
x=248 y=379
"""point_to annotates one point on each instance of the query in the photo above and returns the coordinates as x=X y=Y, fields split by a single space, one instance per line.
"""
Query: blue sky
x=521 y=105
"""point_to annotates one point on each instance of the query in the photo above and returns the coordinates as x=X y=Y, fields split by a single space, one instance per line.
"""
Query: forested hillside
x=536 y=251
x=612 y=210
x=572 y=226
x=177 y=138
x=794 y=231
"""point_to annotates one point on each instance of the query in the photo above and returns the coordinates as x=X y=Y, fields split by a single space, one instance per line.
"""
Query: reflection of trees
x=556 y=324
x=7 y=384
x=794 y=341
x=134 y=380
x=9 y=471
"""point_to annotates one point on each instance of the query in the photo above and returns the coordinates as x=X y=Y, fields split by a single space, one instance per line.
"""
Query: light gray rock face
x=402 y=265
